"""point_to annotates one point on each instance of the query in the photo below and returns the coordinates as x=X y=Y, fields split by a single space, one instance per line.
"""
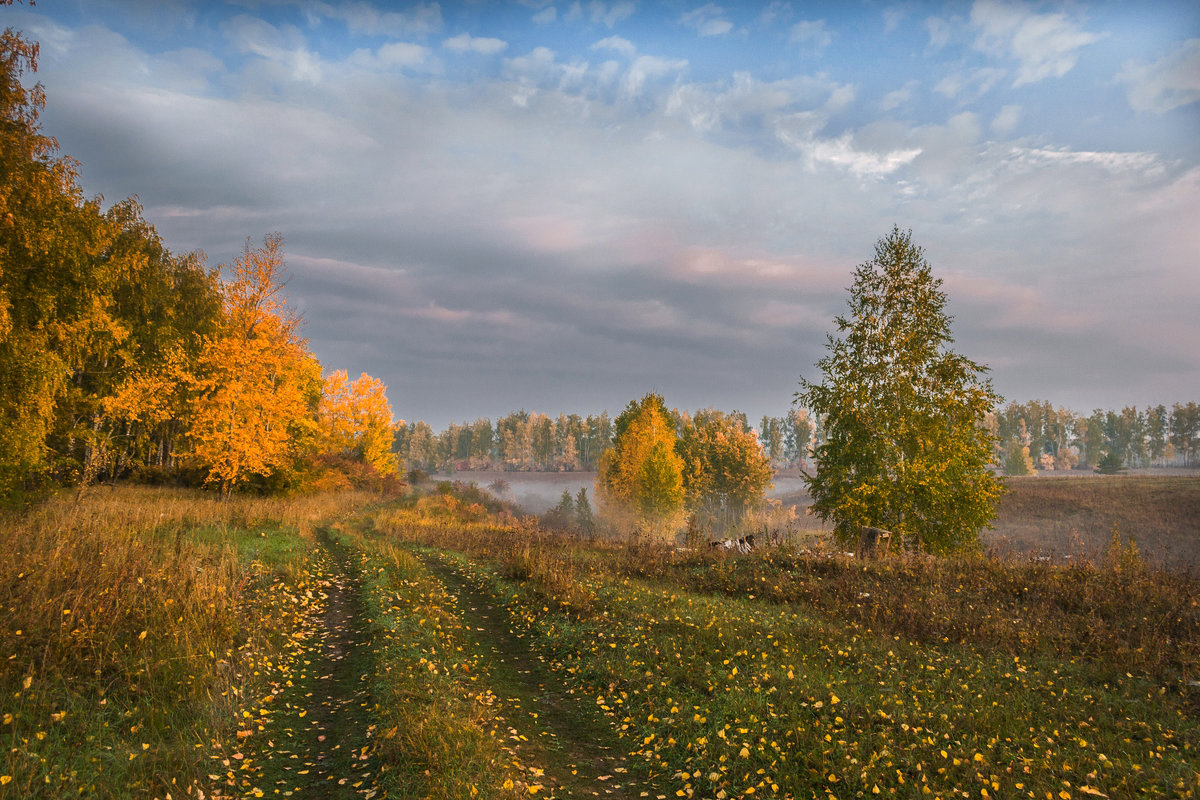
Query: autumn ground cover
x=724 y=679
x=140 y=626
x=1074 y=517
x=157 y=642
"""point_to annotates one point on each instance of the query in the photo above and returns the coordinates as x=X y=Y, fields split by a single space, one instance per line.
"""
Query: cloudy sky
x=563 y=205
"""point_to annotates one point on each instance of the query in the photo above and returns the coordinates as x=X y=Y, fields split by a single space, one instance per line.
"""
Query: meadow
x=162 y=643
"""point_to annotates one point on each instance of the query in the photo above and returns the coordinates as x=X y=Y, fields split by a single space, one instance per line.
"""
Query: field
x=1063 y=516
x=160 y=643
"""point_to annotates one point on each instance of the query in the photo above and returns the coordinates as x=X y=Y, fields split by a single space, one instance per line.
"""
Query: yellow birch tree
x=356 y=420
x=256 y=383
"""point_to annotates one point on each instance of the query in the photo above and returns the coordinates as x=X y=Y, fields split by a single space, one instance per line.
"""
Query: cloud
x=282 y=46
x=363 y=18
x=395 y=55
x=466 y=43
x=1171 y=82
x=609 y=15
x=898 y=97
x=664 y=221
x=545 y=16
x=646 y=68
x=841 y=152
x=1006 y=120
x=939 y=32
x=708 y=20
x=969 y=86
x=812 y=34
x=617 y=44
x=1044 y=45
x=892 y=17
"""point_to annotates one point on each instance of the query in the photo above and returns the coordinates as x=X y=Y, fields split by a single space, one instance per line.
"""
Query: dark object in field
x=742 y=545
x=869 y=539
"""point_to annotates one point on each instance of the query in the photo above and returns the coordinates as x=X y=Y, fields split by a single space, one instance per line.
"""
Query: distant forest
x=1030 y=437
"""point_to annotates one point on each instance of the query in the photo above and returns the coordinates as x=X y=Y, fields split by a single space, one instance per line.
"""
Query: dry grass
x=1115 y=609
x=1076 y=516
x=128 y=607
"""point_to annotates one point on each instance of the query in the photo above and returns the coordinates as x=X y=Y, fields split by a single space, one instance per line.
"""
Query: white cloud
x=939 y=32
x=812 y=34
x=617 y=44
x=1147 y=164
x=361 y=17
x=708 y=20
x=1170 y=82
x=1044 y=45
x=646 y=68
x=898 y=97
x=892 y=17
x=283 y=47
x=545 y=16
x=609 y=15
x=841 y=152
x=1006 y=120
x=404 y=54
x=700 y=201
x=774 y=14
x=466 y=43
x=969 y=86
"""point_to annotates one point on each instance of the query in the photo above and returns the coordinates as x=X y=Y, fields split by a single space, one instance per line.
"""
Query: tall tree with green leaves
x=905 y=446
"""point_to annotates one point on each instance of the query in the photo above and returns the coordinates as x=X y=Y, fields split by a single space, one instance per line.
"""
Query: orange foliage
x=356 y=419
x=255 y=379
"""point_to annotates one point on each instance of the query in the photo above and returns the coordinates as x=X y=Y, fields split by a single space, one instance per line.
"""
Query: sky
x=561 y=206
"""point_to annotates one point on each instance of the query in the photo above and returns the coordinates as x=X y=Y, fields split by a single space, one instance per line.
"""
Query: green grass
x=777 y=674
x=716 y=679
x=140 y=625
x=435 y=712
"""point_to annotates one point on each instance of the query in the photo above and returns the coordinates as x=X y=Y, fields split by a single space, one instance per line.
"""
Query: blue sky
x=560 y=206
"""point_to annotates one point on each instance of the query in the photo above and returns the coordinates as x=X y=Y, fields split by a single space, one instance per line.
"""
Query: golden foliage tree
x=640 y=479
x=356 y=420
x=49 y=299
x=725 y=470
x=256 y=383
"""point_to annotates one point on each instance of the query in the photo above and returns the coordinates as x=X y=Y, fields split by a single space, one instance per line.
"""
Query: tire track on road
x=581 y=756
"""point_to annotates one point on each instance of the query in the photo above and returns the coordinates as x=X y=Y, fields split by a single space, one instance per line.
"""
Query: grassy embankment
x=787 y=675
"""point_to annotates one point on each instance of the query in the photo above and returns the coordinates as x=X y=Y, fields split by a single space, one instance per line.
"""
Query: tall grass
x=1117 y=610
x=126 y=623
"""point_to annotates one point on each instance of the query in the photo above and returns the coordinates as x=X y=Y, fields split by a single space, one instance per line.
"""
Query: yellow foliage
x=356 y=419
x=254 y=378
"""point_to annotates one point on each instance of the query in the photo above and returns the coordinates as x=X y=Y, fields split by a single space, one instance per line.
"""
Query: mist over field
x=537 y=492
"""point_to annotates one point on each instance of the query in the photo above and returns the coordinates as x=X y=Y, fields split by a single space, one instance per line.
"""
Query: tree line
x=119 y=358
x=525 y=441
x=1037 y=436
x=1029 y=436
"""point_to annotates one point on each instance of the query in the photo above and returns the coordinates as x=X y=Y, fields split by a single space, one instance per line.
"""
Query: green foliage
x=905 y=446
x=1017 y=460
x=583 y=512
x=1110 y=464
